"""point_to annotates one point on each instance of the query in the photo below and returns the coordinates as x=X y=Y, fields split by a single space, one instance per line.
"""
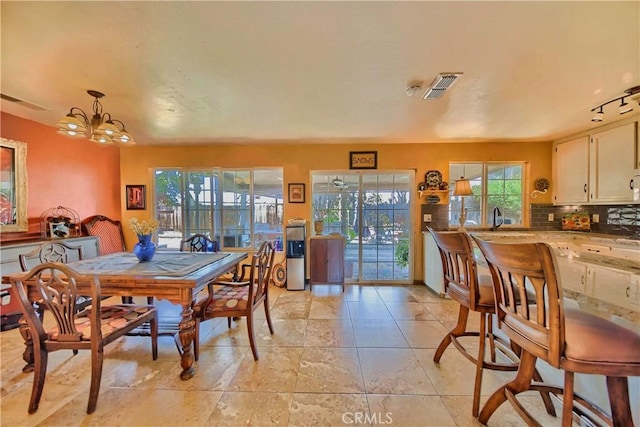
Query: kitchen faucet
x=496 y=213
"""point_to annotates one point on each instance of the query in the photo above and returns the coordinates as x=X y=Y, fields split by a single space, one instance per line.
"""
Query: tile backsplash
x=623 y=220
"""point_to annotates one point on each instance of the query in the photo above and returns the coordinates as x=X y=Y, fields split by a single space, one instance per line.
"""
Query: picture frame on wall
x=296 y=192
x=136 y=197
x=363 y=160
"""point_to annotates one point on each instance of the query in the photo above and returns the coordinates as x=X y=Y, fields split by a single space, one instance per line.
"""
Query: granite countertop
x=605 y=285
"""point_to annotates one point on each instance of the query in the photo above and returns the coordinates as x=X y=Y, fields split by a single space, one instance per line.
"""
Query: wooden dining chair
x=239 y=298
x=199 y=243
x=568 y=339
x=55 y=286
x=473 y=293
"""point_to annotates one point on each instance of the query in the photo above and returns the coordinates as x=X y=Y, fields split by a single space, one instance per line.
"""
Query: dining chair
x=110 y=240
x=55 y=285
x=108 y=231
x=199 y=243
x=568 y=339
x=54 y=251
x=238 y=298
x=473 y=293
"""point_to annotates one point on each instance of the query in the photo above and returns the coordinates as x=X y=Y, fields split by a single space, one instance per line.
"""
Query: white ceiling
x=205 y=72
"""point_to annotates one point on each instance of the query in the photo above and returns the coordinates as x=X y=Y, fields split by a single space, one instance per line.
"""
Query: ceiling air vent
x=441 y=83
x=15 y=100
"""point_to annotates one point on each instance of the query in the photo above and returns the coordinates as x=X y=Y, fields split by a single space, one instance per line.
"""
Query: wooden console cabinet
x=326 y=260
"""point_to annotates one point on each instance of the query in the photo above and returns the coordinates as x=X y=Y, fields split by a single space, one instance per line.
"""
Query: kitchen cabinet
x=613 y=156
x=326 y=260
x=597 y=168
x=571 y=171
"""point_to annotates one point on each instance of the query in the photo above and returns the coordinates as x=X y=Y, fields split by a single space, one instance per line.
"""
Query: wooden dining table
x=173 y=276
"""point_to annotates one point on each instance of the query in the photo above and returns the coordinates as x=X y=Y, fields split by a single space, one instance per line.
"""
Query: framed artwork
x=296 y=193
x=136 y=197
x=13 y=186
x=363 y=160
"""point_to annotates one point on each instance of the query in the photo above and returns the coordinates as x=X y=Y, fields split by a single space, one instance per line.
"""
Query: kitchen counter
x=599 y=273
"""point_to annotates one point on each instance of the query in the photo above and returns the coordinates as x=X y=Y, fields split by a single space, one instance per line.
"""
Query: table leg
x=186 y=337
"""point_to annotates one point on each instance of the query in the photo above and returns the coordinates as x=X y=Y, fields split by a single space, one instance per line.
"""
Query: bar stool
x=567 y=339
x=473 y=293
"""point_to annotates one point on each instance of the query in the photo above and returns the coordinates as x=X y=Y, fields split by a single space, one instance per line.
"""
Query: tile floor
x=362 y=357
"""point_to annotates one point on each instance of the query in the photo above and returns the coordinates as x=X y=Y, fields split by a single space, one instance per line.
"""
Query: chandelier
x=100 y=128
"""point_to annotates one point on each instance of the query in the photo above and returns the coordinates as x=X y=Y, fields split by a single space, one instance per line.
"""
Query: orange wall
x=91 y=179
x=73 y=173
x=299 y=160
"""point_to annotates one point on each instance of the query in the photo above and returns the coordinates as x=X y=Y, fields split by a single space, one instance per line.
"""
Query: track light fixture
x=100 y=128
x=624 y=106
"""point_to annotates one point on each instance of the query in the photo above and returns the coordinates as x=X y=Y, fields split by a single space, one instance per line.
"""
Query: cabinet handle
x=585 y=188
x=631 y=184
x=594 y=250
x=627 y=292
x=582 y=279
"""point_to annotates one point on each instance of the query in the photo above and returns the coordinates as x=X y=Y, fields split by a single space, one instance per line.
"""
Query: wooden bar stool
x=567 y=339
x=475 y=294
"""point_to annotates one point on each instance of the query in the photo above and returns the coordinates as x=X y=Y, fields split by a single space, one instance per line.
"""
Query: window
x=237 y=208
x=494 y=185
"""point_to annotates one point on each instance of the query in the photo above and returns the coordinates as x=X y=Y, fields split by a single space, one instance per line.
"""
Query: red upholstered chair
x=108 y=231
x=56 y=286
x=239 y=299
x=110 y=239
x=571 y=340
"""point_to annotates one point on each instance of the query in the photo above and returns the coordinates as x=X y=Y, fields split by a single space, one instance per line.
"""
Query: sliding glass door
x=373 y=211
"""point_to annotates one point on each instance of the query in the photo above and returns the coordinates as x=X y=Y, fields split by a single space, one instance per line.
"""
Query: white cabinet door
x=613 y=159
x=433 y=275
x=571 y=171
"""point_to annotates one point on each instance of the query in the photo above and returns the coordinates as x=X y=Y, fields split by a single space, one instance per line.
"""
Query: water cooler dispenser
x=296 y=265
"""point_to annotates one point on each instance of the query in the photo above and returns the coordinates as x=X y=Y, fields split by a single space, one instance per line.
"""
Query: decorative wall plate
x=432 y=179
x=542 y=184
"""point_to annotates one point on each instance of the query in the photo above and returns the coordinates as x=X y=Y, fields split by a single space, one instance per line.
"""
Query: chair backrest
x=109 y=231
x=458 y=265
x=50 y=252
x=520 y=272
x=260 y=274
x=199 y=243
x=55 y=285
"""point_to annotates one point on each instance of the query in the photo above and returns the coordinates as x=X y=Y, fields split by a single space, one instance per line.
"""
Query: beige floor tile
x=362 y=293
x=288 y=307
x=330 y=307
x=276 y=371
x=424 y=294
x=409 y=311
x=378 y=333
x=329 y=370
x=326 y=409
x=444 y=309
x=251 y=409
x=393 y=371
x=286 y=333
x=410 y=411
x=329 y=333
x=422 y=334
x=368 y=310
x=394 y=293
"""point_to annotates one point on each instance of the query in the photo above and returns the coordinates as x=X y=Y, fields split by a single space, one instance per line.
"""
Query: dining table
x=173 y=276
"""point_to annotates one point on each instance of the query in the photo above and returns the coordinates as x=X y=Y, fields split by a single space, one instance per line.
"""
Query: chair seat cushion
x=113 y=317
x=591 y=338
x=228 y=298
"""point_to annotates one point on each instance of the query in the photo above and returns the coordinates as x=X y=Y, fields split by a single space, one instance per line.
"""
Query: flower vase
x=145 y=248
